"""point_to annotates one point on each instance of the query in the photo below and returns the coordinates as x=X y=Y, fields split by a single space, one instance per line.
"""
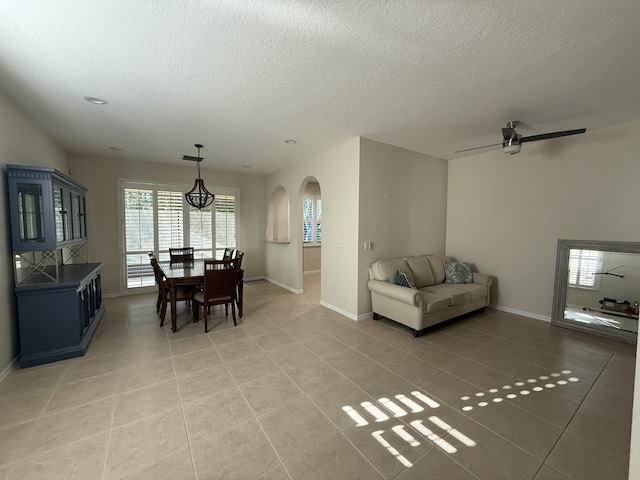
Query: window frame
x=163 y=255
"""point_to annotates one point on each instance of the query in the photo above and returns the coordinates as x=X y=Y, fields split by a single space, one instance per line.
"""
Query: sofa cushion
x=476 y=291
x=402 y=280
x=455 y=294
x=434 y=302
x=421 y=271
x=437 y=267
x=385 y=270
x=457 y=272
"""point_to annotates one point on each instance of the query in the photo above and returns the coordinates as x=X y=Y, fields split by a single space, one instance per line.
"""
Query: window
x=312 y=220
x=156 y=218
x=583 y=265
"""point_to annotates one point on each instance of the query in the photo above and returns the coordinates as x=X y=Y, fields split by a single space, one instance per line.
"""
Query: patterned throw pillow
x=401 y=279
x=457 y=272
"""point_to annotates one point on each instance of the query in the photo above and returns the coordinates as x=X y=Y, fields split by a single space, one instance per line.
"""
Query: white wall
x=403 y=198
x=336 y=170
x=100 y=176
x=505 y=213
x=22 y=142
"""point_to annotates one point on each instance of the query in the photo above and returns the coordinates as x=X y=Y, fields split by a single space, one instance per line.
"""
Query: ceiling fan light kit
x=512 y=141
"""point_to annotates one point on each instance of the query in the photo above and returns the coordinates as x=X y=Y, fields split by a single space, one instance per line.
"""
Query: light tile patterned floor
x=297 y=391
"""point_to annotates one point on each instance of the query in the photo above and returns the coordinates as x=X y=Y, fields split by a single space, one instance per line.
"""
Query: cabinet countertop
x=69 y=276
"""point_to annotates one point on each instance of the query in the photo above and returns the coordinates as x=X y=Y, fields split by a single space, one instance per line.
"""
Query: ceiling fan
x=512 y=141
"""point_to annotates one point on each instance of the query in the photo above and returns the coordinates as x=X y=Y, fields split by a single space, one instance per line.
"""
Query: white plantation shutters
x=312 y=220
x=170 y=218
x=583 y=264
x=139 y=238
x=225 y=218
x=156 y=218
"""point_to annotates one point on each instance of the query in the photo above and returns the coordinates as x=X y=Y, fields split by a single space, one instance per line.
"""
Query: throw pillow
x=401 y=279
x=457 y=272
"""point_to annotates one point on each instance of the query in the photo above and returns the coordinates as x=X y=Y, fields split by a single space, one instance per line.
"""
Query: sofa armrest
x=482 y=279
x=403 y=294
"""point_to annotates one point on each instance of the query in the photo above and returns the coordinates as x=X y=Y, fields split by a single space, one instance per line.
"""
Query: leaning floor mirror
x=597 y=288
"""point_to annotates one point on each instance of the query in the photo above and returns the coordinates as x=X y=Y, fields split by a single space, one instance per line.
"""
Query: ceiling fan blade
x=545 y=136
x=476 y=148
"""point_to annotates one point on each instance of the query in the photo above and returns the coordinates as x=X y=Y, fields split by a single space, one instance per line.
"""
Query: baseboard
x=365 y=316
x=522 y=313
x=5 y=373
x=339 y=310
x=286 y=287
x=311 y=271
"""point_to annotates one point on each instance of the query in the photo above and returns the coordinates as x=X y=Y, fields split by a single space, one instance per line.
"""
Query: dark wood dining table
x=192 y=273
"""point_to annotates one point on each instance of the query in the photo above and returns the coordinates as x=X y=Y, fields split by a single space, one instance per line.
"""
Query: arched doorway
x=311 y=236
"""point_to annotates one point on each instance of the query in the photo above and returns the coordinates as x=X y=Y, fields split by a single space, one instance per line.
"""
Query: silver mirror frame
x=560 y=288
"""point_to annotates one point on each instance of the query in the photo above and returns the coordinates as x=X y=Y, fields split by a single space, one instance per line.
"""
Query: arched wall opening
x=278 y=216
x=311 y=235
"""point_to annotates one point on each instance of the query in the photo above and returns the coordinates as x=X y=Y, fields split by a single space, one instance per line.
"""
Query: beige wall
x=403 y=202
x=100 y=176
x=22 y=142
x=505 y=213
x=312 y=258
x=336 y=170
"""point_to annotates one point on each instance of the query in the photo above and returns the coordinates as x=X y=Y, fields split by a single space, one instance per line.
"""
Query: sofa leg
x=416 y=333
x=481 y=310
x=376 y=316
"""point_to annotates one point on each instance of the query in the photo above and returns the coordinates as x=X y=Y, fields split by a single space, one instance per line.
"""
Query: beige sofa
x=431 y=300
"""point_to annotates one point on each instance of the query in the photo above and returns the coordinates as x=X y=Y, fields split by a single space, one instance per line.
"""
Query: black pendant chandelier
x=198 y=197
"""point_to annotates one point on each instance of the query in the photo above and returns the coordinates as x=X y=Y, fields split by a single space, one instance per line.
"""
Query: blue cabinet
x=47 y=209
x=59 y=300
x=58 y=320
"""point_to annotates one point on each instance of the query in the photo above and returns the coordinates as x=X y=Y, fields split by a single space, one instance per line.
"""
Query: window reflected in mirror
x=598 y=287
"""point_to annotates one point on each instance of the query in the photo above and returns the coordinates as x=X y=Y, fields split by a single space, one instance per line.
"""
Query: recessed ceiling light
x=115 y=149
x=246 y=166
x=290 y=142
x=95 y=100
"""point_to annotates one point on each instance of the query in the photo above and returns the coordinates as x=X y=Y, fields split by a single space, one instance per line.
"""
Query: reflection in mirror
x=598 y=288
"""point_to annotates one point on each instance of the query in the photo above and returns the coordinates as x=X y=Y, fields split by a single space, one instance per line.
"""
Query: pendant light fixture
x=198 y=197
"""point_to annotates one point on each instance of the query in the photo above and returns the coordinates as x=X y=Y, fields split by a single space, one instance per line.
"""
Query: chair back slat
x=181 y=255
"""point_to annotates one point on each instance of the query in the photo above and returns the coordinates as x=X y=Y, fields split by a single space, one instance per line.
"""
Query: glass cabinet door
x=58 y=213
x=79 y=225
x=30 y=212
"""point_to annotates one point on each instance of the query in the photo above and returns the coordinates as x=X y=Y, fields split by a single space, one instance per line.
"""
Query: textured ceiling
x=240 y=76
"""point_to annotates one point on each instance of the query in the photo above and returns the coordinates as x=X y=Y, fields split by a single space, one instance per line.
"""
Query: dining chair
x=184 y=254
x=228 y=253
x=159 y=300
x=220 y=278
x=183 y=292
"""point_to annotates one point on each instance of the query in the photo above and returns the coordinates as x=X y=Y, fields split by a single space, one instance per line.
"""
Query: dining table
x=192 y=273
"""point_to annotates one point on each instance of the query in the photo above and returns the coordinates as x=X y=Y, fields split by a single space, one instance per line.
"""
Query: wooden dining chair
x=238 y=256
x=220 y=277
x=228 y=253
x=159 y=300
x=183 y=292
x=179 y=255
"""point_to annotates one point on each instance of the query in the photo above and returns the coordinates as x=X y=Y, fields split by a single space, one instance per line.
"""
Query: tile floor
x=296 y=391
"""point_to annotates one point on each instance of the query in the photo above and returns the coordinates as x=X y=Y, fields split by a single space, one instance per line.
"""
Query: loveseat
x=417 y=292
